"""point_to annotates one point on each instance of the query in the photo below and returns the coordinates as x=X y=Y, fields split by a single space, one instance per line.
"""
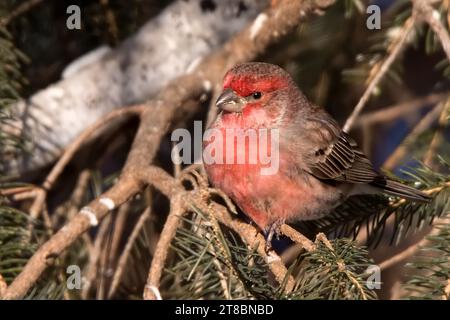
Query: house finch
x=319 y=164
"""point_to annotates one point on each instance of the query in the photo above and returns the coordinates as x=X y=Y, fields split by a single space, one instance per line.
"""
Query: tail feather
x=398 y=189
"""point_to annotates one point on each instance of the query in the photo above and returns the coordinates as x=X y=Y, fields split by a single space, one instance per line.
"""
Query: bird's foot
x=195 y=175
x=225 y=198
x=274 y=229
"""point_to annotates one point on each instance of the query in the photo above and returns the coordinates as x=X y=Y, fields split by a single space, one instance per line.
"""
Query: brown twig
x=68 y=210
x=411 y=250
x=16 y=190
x=83 y=137
x=94 y=257
x=438 y=136
x=78 y=193
x=111 y=21
x=297 y=237
x=3 y=286
x=102 y=268
x=379 y=70
x=109 y=249
x=162 y=248
x=20 y=10
x=402 y=149
x=391 y=113
x=432 y=17
x=119 y=226
x=446 y=294
x=249 y=233
x=126 y=252
x=155 y=121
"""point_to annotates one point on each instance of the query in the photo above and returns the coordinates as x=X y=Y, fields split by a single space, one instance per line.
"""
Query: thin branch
x=394 y=112
x=16 y=190
x=394 y=51
x=423 y=125
x=117 y=277
x=446 y=294
x=162 y=248
x=102 y=268
x=223 y=280
x=117 y=233
x=94 y=257
x=433 y=18
x=438 y=136
x=41 y=194
x=111 y=20
x=411 y=250
x=171 y=188
x=297 y=237
x=20 y=10
x=3 y=286
x=82 y=138
x=78 y=193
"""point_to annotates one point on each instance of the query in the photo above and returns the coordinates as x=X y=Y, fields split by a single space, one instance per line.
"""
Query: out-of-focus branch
x=380 y=69
x=41 y=193
x=411 y=250
x=402 y=149
x=20 y=10
x=94 y=257
x=3 y=286
x=394 y=112
x=127 y=251
x=437 y=137
x=177 y=208
x=432 y=17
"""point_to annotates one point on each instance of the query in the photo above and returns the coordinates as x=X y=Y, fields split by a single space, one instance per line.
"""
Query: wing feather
x=328 y=153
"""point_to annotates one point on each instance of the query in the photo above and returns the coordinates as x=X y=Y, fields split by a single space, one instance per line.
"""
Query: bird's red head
x=251 y=84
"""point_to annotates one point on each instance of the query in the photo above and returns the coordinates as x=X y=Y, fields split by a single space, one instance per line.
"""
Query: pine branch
x=334 y=270
x=212 y=262
x=432 y=267
x=17 y=246
x=11 y=82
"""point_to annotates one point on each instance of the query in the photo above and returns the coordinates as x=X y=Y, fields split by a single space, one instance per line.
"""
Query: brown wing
x=328 y=153
x=341 y=161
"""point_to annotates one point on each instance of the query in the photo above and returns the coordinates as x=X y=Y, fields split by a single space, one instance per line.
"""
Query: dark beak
x=230 y=101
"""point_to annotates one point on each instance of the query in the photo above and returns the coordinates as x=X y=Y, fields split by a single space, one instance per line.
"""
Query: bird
x=319 y=165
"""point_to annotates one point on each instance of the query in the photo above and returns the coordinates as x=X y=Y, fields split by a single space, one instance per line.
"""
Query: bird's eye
x=256 y=95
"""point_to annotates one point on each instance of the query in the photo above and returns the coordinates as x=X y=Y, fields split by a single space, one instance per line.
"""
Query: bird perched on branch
x=319 y=165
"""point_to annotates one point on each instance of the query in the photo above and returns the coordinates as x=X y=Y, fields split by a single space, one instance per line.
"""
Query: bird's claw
x=198 y=181
x=225 y=198
x=195 y=178
x=272 y=230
